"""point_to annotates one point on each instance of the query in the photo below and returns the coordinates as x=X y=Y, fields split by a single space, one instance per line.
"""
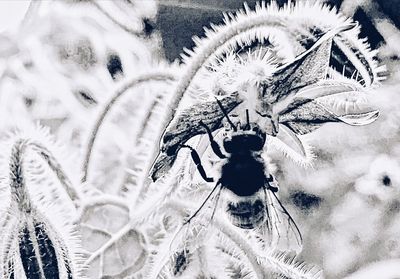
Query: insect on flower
x=279 y=102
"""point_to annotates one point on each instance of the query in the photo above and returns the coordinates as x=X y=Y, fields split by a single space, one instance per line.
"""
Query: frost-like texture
x=91 y=71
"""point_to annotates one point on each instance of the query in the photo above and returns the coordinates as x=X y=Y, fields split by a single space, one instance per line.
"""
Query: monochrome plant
x=165 y=194
x=38 y=238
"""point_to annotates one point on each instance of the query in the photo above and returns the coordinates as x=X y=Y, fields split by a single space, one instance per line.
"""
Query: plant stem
x=19 y=194
x=55 y=166
x=213 y=49
x=154 y=76
x=18 y=187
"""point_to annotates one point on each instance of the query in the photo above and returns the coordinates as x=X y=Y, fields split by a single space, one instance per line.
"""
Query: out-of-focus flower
x=382 y=179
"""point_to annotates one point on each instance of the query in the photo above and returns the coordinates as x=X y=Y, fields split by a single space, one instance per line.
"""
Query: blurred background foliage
x=67 y=57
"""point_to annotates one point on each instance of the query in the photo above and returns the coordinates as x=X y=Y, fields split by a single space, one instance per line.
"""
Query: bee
x=250 y=191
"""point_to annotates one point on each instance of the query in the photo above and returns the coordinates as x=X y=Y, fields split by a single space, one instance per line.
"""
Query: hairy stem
x=101 y=200
x=18 y=187
x=212 y=50
x=19 y=193
x=235 y=237
x=155 y=76
x=261 y=264
x=242 y=244
x=56 y=167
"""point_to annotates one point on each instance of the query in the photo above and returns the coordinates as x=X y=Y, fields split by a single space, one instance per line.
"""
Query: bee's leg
x=214 y=145
x=204 y=202
x=271 y=181
x=247 y=120
x=197 y=161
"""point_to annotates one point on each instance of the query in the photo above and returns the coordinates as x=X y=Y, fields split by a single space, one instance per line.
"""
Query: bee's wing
x=179 y=248
x=194 y=230
x=187 y=125
x=280 y=230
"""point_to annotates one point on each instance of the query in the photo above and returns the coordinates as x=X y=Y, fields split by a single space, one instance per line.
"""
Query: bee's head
x=244 y=141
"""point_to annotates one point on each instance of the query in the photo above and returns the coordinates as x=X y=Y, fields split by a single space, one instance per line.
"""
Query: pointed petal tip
x=360 y=119
x=348 y=26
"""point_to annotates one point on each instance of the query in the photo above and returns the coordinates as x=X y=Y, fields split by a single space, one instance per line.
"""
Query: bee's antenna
x=226 y=115
x=204 y=202
x=214 y=145
x=247 y=119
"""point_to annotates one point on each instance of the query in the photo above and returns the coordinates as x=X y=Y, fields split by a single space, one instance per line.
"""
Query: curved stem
x=100 y=201
x=18 y=187
x=168 y=189
x=146 y=146
x=261 y=264
x=242 y=244
x=224 y=228
x=56 y=167
x=19 y=194
x=213 y=49
x=155 y=76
